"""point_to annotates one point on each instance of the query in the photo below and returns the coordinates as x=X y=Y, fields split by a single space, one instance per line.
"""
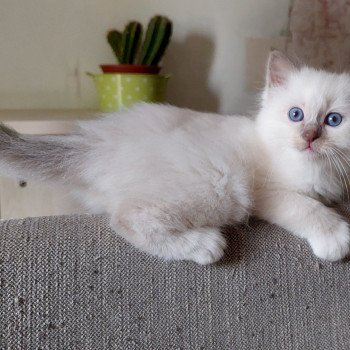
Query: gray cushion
x=71 y=283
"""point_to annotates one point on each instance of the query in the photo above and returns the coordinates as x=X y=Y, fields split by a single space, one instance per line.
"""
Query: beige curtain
x=319 y=33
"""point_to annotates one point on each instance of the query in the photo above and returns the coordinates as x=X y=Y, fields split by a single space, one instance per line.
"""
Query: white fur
x=170 y=178
x=299 y=183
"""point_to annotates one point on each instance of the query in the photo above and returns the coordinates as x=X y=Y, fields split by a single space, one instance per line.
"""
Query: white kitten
x=170 y=177
x=304 y=124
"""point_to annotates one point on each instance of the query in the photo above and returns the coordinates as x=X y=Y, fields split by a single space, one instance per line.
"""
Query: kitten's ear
x=279 y=67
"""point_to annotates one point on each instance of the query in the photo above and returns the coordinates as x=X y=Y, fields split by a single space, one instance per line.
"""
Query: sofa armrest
x=70 y=282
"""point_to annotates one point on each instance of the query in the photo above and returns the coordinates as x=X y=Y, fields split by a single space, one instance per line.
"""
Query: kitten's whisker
x=343 y=155
x=329 y=162
x=337 y=170
x=339 y=157
x=343 y=172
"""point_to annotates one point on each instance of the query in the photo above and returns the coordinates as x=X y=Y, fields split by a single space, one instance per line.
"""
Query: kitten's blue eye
x=296 y=114
x=333 y=119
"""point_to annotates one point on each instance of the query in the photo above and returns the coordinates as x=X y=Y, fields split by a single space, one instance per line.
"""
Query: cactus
x=131 y=40
x=114 y=39
x=126 y=45
x=157 y=39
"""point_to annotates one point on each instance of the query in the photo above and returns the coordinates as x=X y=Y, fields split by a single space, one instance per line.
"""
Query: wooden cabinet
x=20 y=198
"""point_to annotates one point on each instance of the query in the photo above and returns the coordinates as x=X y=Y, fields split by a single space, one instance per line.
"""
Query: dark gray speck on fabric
x=71 y=283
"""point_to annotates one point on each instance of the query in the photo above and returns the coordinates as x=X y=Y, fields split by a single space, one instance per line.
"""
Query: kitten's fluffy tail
x=51 y=158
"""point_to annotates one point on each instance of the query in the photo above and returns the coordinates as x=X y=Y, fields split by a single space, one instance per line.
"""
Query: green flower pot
x=123 y=89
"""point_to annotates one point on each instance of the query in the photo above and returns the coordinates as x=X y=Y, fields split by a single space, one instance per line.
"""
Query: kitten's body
x=170 y=177
x=170 y=156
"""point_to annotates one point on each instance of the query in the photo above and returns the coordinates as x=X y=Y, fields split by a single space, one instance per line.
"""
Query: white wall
x=46 y=46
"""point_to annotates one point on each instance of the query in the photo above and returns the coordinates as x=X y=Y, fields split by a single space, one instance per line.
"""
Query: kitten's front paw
x=204 y=245
x=334 y=245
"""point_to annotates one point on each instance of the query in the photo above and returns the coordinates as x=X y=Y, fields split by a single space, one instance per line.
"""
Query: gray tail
x=52 y=158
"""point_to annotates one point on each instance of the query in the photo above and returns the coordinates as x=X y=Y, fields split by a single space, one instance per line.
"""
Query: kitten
x=170 y=177
x=304 y=125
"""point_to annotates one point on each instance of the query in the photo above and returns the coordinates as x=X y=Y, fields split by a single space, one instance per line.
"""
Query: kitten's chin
x=311 y=153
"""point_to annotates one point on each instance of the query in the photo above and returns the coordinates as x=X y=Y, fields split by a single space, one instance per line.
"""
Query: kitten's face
x=306 y=111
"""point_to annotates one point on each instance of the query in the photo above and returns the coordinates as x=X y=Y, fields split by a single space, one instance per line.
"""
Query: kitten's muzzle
x=311 y=134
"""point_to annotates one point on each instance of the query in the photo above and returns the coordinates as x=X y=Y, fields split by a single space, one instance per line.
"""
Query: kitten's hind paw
x=204 y=245
x=333 y=245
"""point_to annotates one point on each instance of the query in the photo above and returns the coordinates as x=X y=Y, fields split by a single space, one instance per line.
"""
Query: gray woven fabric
x=71 y=283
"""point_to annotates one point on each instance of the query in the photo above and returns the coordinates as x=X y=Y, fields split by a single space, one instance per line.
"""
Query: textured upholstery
x=70 y=283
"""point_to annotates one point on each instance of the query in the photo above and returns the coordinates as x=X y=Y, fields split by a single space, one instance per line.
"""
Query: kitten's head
x=305 y=111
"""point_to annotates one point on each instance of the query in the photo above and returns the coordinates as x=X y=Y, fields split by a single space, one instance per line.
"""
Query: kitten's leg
x=325 y=230
x=168 y=236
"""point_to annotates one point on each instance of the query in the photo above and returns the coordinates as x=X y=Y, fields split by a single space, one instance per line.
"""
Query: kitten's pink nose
x=311 y=134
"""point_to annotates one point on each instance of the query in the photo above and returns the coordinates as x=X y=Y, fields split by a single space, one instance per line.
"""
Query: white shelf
x=35 y=199
x=45 y=121
x=46 y=114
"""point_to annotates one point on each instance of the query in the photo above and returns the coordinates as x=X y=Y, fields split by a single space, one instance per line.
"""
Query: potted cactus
x=136 y=76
